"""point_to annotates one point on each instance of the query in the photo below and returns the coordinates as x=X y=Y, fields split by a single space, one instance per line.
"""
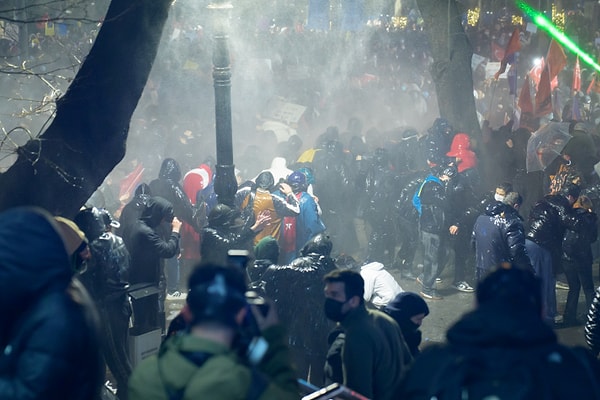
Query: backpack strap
x=416 y=200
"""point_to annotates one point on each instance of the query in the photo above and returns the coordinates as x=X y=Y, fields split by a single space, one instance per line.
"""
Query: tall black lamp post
x=225 y=182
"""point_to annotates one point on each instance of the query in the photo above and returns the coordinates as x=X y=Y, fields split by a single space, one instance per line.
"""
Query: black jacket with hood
x=149 y=245
x=499 y=341
x=168 y=186
x=49 y=347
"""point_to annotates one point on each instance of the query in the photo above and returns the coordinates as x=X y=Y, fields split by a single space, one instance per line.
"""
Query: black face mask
x=333 y=309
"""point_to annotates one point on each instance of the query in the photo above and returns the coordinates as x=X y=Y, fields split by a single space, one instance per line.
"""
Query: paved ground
x=445 y=312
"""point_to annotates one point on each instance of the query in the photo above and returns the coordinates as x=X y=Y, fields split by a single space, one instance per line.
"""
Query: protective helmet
x=460 y=144
x=450 y=171
x=441 y=125
x=91 y=222
x=297 y=181
x=320 y=244
x=265 y=180
x=222 y=215
x=333 y=147
x=381 y=157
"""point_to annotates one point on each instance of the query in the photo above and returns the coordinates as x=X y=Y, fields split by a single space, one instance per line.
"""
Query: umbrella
x=545 y=145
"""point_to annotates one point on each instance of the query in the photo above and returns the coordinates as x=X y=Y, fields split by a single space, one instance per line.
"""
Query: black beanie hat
x=406 y=305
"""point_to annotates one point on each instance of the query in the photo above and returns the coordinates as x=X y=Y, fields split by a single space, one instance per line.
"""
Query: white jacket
x=380 y=285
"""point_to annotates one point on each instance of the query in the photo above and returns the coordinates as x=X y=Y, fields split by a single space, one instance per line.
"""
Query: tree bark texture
x=61 y=168
x=451 y=69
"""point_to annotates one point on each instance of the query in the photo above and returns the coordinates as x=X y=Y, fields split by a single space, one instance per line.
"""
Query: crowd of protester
x=321 y=229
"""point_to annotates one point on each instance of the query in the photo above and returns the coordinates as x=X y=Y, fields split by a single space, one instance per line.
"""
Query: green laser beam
x=540 y=20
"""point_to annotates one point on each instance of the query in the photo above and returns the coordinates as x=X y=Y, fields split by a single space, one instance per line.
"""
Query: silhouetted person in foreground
x=503 y=349
x=208 y=361
x=48 y=327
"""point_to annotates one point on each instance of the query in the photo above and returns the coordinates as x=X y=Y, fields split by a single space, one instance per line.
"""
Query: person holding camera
x=233 y=349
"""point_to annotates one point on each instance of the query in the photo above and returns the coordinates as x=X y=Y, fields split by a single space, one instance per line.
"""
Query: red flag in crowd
x=536 y=72
x=594 y=85
x=576 y=76
x=525 y=103
x=556 y=59
x=543 y=96
x=497 y=52
x=513 y=46
x=129 y=183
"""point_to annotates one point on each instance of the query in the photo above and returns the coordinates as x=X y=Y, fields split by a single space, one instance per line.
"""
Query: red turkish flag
x=556 y=59
x=525 y=103
x=536 y=72
x=497 y=52
x=543 y=96
x=513 y=46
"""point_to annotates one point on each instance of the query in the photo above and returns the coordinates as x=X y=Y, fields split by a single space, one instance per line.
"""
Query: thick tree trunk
x=63 y=167
x=451 y=69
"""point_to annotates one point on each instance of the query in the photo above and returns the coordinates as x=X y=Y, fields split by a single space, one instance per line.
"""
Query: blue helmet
x=297 y=181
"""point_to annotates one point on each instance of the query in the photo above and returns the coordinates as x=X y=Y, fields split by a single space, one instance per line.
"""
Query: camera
x=255 y=299
x=251 y=344
x=238 y=258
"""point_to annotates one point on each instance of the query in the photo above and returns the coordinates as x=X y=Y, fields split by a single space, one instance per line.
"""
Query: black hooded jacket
x=133 y=211
x=512 y=343
x=548 y=220
x=168 y=187
x=149 y=245
x=581 y=233
x=49 y=348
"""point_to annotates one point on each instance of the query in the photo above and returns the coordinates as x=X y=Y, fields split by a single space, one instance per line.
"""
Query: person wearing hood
x=227 y=230
x=463 y=196
x=154 y=237
x=499 y=237
x=380 y=286
x=438 y=140
x=168 y=186
x=465 y=160
x=255 y=199
x=133 y=211
x=503 y=349
x=302 y=279
x=298 y=230
x=266 y=253
x=278 y=169
x=107 y=279
x=408 y=310
x=48 y=326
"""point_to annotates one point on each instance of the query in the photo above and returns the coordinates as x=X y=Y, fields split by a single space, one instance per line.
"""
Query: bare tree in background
x=451 y=69
x=62 y=167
